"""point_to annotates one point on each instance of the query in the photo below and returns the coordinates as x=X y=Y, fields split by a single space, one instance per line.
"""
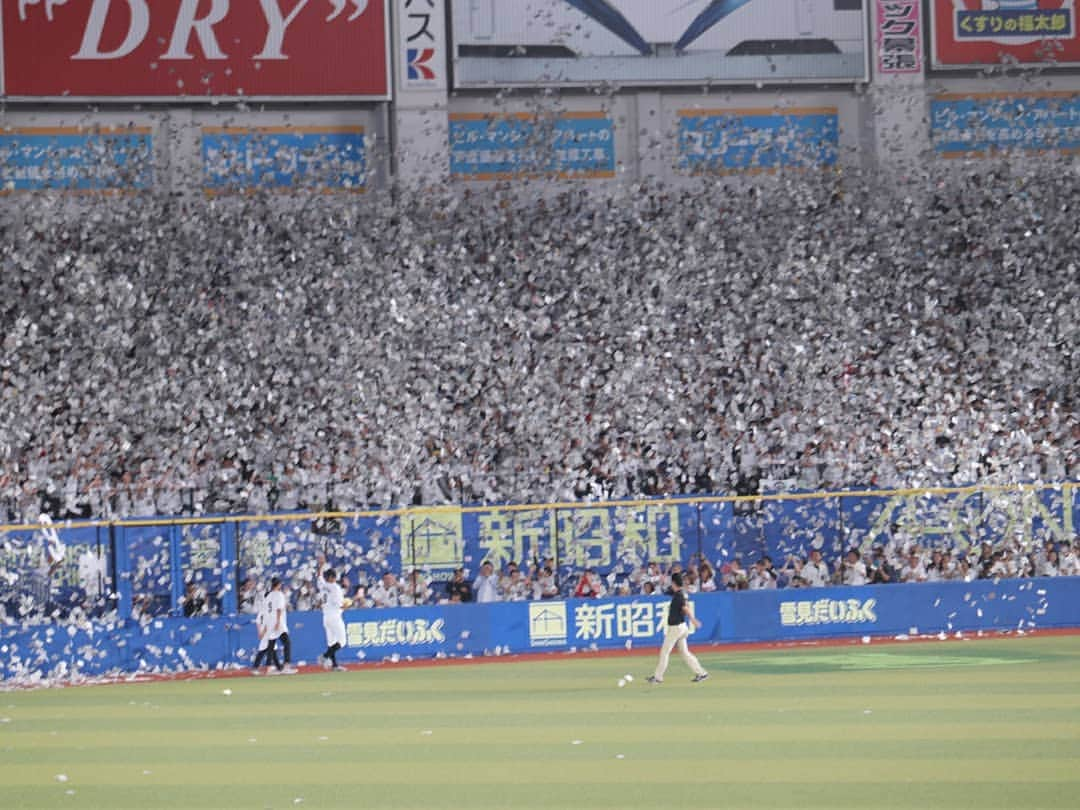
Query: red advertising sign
x=970 y=33
x=195 y=48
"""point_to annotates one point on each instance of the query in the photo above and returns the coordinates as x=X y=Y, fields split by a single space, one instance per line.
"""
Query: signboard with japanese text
x=321 y=159
x=610 y=539
x=502 y=628
x=730 y=141
x=499 y=43
x=58 y=575
x=985 y=124
x=506 y=146
x=76 y=159
x=422 y=45
x=977 y=33
x=191 y=49
x=898 y=36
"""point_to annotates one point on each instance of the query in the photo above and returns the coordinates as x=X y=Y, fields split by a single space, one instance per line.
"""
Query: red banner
x=192 y=48
x=970 y=33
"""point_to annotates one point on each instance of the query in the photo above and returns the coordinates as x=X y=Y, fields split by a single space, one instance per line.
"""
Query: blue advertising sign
x=491 y=147
x=74 y=159
x=54 y=571
x=500 y=628
x=284 y=159
x=722 y=141
x=986 y=123
x=610 y=538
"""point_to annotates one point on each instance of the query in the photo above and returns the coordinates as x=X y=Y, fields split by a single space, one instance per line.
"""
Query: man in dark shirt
x=458 y=589
x=675 y=634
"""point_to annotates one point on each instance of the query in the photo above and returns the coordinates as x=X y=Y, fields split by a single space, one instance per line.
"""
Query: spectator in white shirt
x=854 y=569
x=1047 y=565
x=815 y=573
x=1068 y=561
x=544 y=586
x=707 y=578
x=386 y=592
x=761 y=577
x=913 y=570
x=486 y=586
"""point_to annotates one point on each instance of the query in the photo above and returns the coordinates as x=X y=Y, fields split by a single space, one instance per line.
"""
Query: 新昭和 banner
x=189 y=49
x=640 y=42
x=977 y=33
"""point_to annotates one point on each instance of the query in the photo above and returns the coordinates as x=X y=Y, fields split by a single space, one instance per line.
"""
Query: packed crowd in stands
x=168 y=356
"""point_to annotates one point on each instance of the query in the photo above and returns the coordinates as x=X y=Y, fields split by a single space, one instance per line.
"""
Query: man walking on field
x=278 y=627
x=333 y=602
x=676 y=632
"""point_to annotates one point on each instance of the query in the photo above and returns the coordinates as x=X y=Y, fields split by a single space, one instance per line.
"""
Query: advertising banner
x=76 y=159
x=986 y=124
x=486 y=146
x=501 y=43
x=284 y=159
x=188 y=49
x=898 y=34
x=727 y=141
x=505 y=628
x=422 y=44
x=976 y=33
x=55 y=571
x=903 y=610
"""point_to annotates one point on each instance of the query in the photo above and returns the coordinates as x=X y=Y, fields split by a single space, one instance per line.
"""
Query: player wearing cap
x=675 y=634
x=333 y=602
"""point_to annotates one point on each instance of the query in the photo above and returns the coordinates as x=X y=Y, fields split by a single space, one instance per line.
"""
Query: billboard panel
x=284 y=158
x=195 y=48
x=421 y=41
x=977 y=33
x=987 y=123
x=640 y=42
x=898 y=36
x=76 y=159
x=728 y=141
x=487 y=146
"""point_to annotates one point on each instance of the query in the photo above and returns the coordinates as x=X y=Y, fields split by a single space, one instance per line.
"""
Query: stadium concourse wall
x=118 y=588
x=472 y=630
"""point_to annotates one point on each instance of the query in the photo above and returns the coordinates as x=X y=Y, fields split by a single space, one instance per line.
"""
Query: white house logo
x=547 y=624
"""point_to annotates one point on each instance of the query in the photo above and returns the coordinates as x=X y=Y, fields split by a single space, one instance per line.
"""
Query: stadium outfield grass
x=987 y=724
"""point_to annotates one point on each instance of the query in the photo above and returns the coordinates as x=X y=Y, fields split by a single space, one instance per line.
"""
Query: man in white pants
x=676 y=632
x=333 y=602
x=278 y=627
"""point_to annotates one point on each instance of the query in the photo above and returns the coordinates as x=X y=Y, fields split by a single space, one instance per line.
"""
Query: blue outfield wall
x=125 y=565
x=169 y=644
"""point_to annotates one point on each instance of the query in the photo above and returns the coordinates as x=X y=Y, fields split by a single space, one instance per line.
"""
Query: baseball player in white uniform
x=333 y=603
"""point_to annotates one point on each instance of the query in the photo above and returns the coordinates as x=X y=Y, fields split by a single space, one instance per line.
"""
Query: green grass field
x=987 y=724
